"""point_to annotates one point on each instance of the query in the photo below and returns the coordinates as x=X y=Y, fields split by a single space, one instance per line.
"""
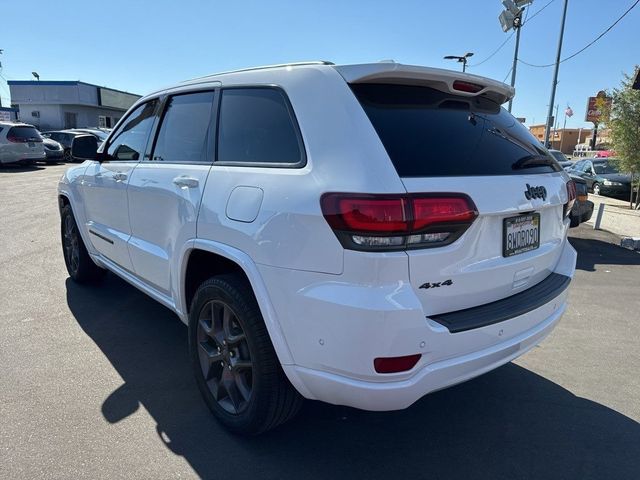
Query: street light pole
x=463 y=60
x=555 y=75
x=515 y=63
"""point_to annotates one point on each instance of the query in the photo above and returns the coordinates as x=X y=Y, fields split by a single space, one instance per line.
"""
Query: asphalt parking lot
x=95 y=383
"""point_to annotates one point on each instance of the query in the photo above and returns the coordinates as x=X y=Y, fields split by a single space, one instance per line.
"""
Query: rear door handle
x=119 y=176
x=186 y=182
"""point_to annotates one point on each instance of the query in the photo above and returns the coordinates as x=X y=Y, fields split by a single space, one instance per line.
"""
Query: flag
x=568 y=112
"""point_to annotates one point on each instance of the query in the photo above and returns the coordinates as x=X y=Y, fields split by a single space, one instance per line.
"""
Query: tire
x=234 y=362
x=76 y=258
x=67 y=155
x=596 y=189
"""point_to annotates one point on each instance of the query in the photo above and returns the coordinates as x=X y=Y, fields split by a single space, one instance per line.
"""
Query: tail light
x=397 y=222
x=571 y=194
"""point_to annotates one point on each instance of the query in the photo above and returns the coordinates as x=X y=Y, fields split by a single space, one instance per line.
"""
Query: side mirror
x=84 y=147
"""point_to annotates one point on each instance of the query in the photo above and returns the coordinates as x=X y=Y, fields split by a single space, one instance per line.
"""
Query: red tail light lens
x=430 y=211
x=571 y=193
x=366 y=214
x=397 y=222
x=395 y=364
x=467 y=86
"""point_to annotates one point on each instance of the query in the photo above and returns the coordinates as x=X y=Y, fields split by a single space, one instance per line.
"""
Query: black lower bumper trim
x=505 y=309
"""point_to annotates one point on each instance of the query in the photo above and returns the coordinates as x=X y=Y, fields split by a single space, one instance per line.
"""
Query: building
x=53 y=105
x=8 y=114
x=563 y=139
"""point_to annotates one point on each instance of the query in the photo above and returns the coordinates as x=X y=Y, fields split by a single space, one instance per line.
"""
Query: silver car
x=20 y=143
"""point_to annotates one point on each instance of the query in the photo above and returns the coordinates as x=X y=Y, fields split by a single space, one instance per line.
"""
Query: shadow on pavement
x=592 y=252
x=10 y=168
x=510 y=423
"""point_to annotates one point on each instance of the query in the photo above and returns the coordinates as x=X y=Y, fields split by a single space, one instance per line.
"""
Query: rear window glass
x=256 y=127
x=428 y=133
x=25 y=133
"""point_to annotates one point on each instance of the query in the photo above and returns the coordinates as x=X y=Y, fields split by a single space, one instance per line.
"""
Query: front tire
x=235 y=364
x=76 y=258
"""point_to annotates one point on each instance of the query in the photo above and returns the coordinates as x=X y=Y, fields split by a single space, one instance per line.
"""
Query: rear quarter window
x=256 y=126
x=428 y=133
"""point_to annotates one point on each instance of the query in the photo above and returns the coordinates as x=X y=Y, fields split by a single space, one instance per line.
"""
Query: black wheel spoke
x=241 y=365
x=235 y=339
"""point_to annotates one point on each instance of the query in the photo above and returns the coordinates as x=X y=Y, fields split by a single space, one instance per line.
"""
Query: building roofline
x=67 y=83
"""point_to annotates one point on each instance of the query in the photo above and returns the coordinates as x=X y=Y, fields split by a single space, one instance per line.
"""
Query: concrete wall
x=51 y=94
x=52 y=117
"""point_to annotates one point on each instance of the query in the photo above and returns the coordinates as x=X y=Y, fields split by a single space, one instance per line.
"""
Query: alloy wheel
x=224 y=356
x=71 y=244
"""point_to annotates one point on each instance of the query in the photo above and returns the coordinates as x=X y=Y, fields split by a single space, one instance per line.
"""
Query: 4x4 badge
x=446 y=283
x=535 y=192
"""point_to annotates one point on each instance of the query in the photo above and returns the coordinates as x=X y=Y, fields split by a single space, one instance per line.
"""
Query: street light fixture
x=462 y=60
x=511 y=18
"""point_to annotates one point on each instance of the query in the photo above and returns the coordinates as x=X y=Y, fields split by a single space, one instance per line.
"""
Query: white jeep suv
x=361 y=235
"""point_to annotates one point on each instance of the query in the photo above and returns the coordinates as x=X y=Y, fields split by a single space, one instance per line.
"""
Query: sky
x=139 y=46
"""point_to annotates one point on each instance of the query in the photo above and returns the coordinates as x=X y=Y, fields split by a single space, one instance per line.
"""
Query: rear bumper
x=334 y=329
x=383 y=396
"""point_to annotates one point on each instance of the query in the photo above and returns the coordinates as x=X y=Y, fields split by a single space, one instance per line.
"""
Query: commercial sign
x=115 y=99
x=595 y=106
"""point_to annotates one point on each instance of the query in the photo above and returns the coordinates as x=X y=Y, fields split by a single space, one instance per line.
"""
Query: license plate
x=32 y=145
x=520 y=234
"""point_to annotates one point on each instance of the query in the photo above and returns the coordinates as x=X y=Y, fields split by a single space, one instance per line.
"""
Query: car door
x=166 y=189
x=104 y=186
x=589 y=174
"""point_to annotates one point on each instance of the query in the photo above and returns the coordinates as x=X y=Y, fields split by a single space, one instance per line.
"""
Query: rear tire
x=76 y=258
x=235 y=364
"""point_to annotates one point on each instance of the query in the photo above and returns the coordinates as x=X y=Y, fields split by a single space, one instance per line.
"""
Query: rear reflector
x=467 y=86
x=397 y=222
x=395 y=364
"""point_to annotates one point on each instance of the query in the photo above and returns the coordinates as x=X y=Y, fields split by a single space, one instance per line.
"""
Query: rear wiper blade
x=533 y=161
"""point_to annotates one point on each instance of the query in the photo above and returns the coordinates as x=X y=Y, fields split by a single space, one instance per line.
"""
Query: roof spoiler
x=457 y=83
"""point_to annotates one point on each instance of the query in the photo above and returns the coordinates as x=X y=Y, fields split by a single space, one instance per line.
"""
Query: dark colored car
x=65 y=137
x=602 y=176
x=583 y=207
x=54 y=150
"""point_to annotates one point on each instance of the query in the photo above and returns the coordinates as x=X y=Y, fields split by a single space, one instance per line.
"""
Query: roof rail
x=279 y=65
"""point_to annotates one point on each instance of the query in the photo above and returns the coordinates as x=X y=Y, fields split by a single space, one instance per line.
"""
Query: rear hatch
x=442 y=141
x=25 y=141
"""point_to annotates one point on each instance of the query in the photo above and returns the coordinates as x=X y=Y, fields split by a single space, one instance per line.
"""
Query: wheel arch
x=207 y=258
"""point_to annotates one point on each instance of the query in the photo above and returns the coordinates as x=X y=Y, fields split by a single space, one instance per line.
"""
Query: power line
x=494 y=52
x=588 y=44
x=540 y=11
x=510 y=36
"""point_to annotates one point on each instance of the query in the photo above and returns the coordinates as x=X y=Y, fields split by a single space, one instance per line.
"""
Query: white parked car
x=20 y=143
x=361 y=235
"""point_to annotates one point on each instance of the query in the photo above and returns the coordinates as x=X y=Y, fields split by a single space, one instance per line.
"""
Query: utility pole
x=515 y=64
x=555 y=75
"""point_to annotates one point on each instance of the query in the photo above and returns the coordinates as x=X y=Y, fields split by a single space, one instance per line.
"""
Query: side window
x=256 y=125
x=129 y=142
x=184 y=130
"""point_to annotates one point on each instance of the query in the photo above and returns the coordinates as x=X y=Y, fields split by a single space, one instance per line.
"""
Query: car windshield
x=605 y=168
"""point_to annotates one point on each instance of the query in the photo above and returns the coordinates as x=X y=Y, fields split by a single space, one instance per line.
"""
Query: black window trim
x=211 y=131
x=294 y=121
x=103 y=156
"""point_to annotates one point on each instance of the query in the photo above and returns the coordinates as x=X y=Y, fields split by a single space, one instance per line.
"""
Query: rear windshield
x=25 y=133
x=428 y=133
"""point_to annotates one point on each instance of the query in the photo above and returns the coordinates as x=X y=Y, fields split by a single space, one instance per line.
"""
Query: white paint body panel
x=331 y=311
